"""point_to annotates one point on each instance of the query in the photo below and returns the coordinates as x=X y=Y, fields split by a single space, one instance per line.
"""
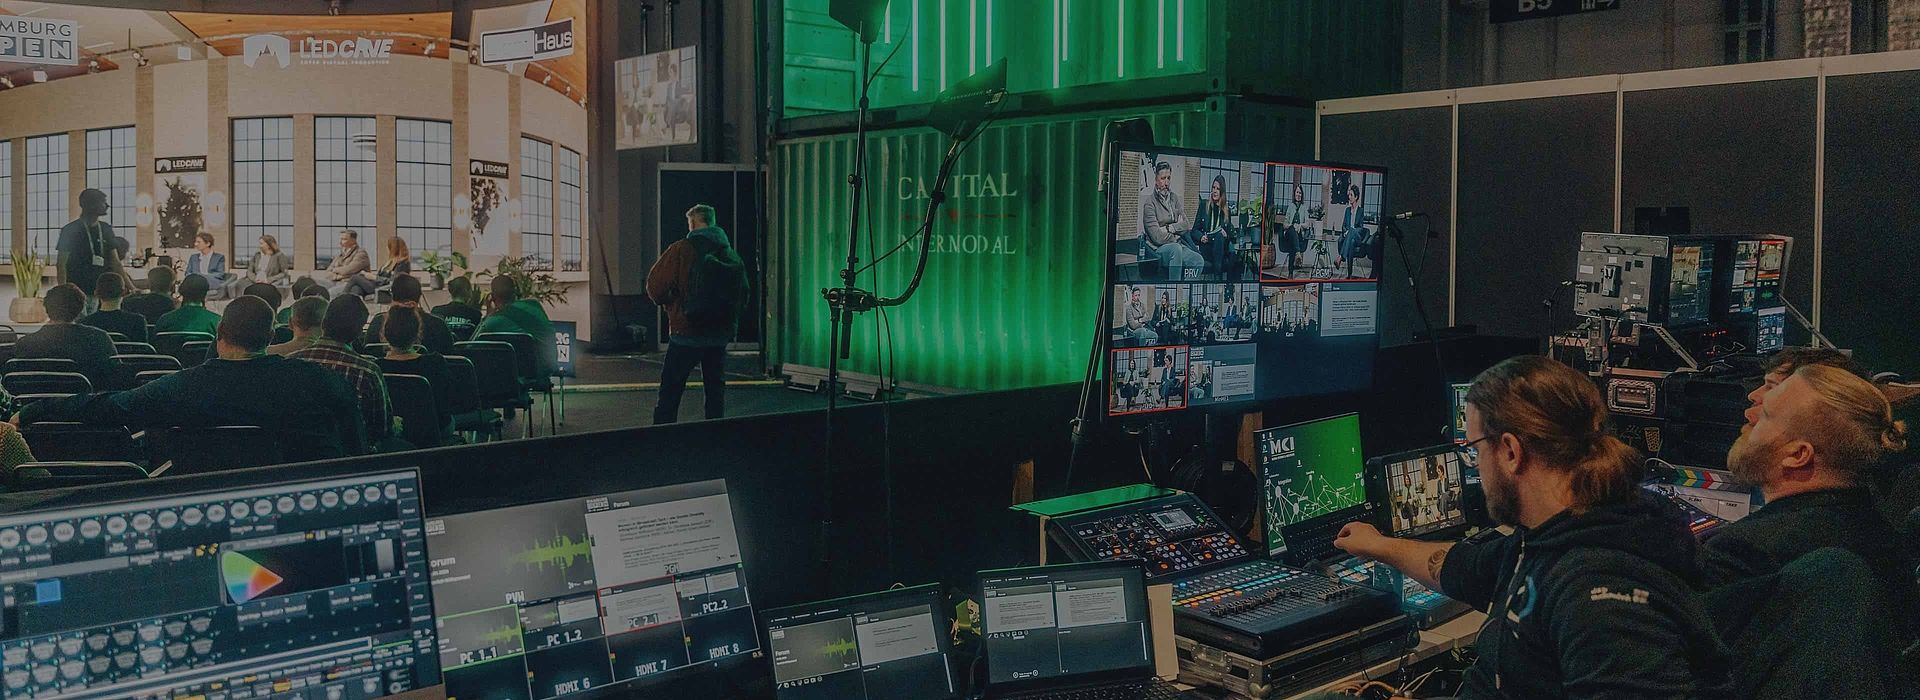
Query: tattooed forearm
x=1435 y=561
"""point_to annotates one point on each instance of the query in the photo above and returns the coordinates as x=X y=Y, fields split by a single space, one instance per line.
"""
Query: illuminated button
x=99 y=664
x=151 y=656
x=71 y=646
x=142 y=522
x=125 y=660
x=9 y=539
x=241 y=510
x=284 y=505
x=63 y=532
x=36 y=536
x=43 y=650
x=216 y=513
x=90 y=528
x=72 y=668
x=168 y=519
x=370 y=493
x=116 y=525
x=393 y=491
x=262 y=508
x=350 y=496
x=123 y=637
x=44 y=674
x=176 y=628
x=16 y=656
x=149 y=633
x=191 y=516
x=200 y=624
x=16 y=679
x=202 y=646
x=309 y=501
x=97 y=642
x=330 y=499
x=176 y=652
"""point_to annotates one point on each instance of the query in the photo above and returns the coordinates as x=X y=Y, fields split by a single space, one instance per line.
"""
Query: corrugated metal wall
x=1013 y=282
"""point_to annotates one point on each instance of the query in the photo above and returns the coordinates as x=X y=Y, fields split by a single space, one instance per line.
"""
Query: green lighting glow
x=1120 y=11
x=943 y=44
x=1180 y=31
x=886 y=24
x=1058 y=32
x=989 y=31
x=915 y=29
x=973 y=36
x=1160 y=48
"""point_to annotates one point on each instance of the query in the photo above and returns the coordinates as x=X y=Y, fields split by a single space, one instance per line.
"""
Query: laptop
x=891 y=645
x=1312 y=482
x=1069 y=632
x=1419 y=494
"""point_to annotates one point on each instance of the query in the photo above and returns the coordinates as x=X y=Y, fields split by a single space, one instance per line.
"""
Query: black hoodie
x=1589 y=606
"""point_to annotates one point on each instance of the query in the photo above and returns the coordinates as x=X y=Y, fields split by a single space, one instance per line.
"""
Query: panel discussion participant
x=1294 y=227
x=700 y=320
x=61 y=338
x=1591 y=596
x=309 y=411
x=269 y=266
x=1138 y=315
x=399 y=262
x=1812 y=444
x=1162 y=219
x=87 y=246
x=349 y=263
x=207 y=263
x=1212 y=230
x=110 y=289
x=1353 y=231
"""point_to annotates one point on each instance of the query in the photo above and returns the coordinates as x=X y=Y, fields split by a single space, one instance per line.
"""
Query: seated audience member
x=1812 y=444
x=308 y=409
x=295 y=293
x=61 y=338
x=511 y=314
x=267 y=293
x=406 y=295
x=1591 y=595
x=460 y=288
x=13 y=450
x=157 y=300
x=345 y=317
x=192 y=314
x=307 y=317
x=110 y=289
x=401 y=331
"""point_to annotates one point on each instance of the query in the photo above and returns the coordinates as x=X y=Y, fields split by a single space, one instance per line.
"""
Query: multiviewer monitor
x=1311 y=472
x=563 y=597
x=1422 y=491
x=881 y=646
x=1235 y=280
x=1043 y=625
x=316 y=587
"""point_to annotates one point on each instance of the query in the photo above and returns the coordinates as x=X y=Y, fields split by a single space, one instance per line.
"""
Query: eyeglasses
x=1470 y=454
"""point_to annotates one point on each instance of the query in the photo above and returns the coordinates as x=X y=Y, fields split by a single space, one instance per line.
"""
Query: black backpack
x=717 y=289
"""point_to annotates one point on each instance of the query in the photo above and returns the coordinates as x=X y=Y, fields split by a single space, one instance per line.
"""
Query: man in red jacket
x=701 y=283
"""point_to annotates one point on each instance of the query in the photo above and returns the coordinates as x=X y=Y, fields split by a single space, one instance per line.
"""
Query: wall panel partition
x=1739 y=156
x=1868 y=254
x=1414 y=145
x=1533 y=175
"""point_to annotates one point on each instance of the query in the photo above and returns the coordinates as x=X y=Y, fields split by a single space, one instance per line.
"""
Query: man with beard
x=1163 y=219
x=1590 y=596
x=1811 y=445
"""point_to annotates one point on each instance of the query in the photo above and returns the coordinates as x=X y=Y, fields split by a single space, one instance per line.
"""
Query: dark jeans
x=673 y=381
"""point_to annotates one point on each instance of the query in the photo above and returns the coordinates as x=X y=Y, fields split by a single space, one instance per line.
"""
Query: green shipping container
x=1019 y=251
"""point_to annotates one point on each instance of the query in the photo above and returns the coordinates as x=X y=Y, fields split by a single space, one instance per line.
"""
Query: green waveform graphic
x=839 y=647
x=501 y=635
x=561 y=552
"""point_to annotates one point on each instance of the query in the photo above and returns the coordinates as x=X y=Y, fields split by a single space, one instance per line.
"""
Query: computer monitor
x=1311 y=473
x=1422 y=492
x=319 y=587
x=551 y=599
x=1073 y=622
x=1221 y=293
x=1690 y=283
x=882 y=646
x=1460 y=410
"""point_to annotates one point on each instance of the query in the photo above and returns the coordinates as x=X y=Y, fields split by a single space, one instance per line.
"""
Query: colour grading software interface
x=558 y=598
x=314 y=590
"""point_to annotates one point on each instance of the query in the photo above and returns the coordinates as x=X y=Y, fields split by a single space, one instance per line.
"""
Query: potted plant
x=440 y=266
x=28 y=307
x=538 y=285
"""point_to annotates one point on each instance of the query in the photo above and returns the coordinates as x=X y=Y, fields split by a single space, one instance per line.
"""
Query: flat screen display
x=1050 y=622
x=1424 y=491
x=1223 y=291
x=1309 y=470
x=882 y=646
x=554 y=599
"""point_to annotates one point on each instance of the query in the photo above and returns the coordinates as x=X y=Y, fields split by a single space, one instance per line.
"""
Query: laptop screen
x=1064 y=625
x=1423 y=491
x=1312 y=476
x=881 y=646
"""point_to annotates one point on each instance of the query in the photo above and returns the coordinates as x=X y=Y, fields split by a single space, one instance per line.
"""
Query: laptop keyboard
x=1150 y=690
x=1307 y=543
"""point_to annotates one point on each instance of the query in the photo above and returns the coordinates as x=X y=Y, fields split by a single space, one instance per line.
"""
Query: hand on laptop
x=1361 y=540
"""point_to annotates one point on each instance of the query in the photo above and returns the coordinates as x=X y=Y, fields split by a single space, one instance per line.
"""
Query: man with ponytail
x=1811 y=445
x=1591 y=597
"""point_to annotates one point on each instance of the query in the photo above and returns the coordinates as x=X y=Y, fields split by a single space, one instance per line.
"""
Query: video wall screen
x=1236 y=280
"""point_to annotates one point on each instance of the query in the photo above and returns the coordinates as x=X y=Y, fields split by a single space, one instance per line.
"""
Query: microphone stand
x=841 y=336
x=1390 y=226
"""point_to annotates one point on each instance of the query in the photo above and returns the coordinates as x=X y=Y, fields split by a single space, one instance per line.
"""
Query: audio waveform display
x=838 y=647
x=560 y=552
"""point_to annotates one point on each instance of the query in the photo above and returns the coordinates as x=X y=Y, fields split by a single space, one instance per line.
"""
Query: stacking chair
x=194 y=353
x=134 y=348
x=40 y=364
x=141 y=378
x=35 y=476
x=205 y=450
x=78 y=442
x=131 y=366
x=496 y=381
x=413 y=402
x=526 y=357
x=169 y=343
x=463 y=401
x=29 y=383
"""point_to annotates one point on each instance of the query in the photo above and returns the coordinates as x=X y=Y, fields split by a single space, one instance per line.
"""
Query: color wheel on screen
x=246 y=579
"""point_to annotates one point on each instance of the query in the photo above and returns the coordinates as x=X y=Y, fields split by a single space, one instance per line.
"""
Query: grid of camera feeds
x=1219 y=297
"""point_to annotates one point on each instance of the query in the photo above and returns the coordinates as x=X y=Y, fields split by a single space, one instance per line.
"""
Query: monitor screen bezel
x=1112 y=203
x=930 y=593
x=1381 y=494
x=1125 y=567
